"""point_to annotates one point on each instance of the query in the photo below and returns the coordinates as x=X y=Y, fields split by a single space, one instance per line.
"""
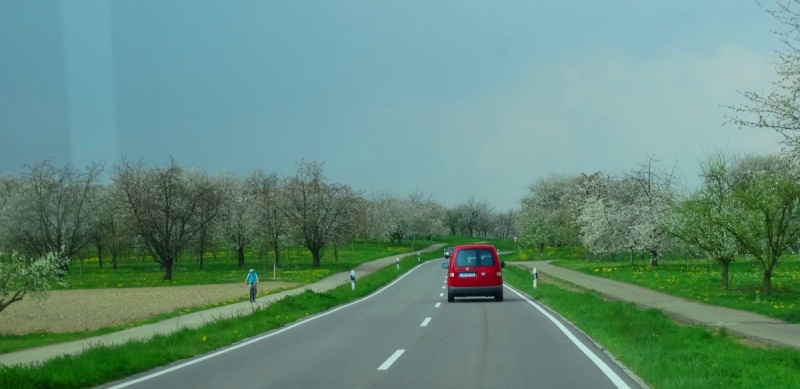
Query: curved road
x=405 y=336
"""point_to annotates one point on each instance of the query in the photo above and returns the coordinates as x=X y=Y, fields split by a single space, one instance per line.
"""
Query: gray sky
x=453 y=98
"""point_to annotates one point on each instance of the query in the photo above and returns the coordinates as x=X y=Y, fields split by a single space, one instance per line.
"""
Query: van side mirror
x=502 y=264
x=445 y=265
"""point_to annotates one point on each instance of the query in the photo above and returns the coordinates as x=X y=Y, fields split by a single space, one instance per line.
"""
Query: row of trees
x=746 y=205
x=168 y=211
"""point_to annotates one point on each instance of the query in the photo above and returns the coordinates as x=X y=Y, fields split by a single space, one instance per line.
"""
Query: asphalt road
x=405 y=336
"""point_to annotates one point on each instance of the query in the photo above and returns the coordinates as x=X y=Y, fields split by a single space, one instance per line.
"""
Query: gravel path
x=90 y=309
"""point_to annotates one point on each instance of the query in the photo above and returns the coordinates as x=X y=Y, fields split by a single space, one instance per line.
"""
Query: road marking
x=442 y=286
x=268 y=335
x=391 y=360
x=597 y=361
x=425 y=322
x=437 y=305
x=441 y=294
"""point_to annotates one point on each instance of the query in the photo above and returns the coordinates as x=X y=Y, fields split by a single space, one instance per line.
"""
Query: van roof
x=475 y=246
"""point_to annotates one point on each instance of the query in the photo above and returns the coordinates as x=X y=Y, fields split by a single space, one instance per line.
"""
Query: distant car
x=448 y=251
x=474 y=270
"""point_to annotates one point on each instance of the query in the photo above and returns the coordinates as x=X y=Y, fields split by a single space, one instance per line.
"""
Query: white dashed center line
x=391 y=360
x=441 y=294
x=437 y=305
x=425 y=322
x=442 y=286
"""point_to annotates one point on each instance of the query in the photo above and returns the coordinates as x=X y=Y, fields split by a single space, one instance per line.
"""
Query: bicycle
x=253 y=292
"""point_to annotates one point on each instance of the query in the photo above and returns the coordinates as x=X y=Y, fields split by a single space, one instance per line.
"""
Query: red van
x=474 y=270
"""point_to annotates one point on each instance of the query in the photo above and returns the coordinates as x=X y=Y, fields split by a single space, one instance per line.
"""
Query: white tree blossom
x=21 y=276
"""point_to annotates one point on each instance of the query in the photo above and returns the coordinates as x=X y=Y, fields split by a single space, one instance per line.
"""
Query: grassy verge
x=696 y=280
x=101 y=364
x=666 y=355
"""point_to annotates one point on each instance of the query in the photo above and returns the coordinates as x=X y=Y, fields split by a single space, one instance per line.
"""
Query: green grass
x=295 y=267
x=101 y=364
x=664 y=354
x=703 y=283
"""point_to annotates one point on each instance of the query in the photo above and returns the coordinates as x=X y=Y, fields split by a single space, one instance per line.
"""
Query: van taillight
x=499 y=274
x=452 y=274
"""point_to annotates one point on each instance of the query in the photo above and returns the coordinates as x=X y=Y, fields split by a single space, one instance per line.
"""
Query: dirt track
x=90 y=309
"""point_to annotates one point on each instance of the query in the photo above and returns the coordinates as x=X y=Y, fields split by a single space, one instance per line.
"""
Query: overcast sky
x=452 y=98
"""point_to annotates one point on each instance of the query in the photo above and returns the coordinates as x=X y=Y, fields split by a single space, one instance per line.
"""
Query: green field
x=295 y=267
x=701 y=281
x=666 y=355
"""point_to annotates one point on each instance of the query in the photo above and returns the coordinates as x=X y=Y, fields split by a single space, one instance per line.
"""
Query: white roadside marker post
x=352 y=280
x=535 y=276
x=397 y=262
x=417 y=257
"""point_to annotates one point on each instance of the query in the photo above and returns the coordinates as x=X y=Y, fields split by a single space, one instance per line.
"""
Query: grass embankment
x=701 y=282
x=102 y=364
x=666 y=355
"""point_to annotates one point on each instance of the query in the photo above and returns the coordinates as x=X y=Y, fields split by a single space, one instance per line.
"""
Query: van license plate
x=466 y=274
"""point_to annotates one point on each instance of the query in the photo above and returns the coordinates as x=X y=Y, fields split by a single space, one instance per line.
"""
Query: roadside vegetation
x=101 y=364
x=666 y=355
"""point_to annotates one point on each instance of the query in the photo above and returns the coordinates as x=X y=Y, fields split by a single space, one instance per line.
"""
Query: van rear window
x=475 y=257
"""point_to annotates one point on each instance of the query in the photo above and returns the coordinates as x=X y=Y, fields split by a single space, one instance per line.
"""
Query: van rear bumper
x=488 y=291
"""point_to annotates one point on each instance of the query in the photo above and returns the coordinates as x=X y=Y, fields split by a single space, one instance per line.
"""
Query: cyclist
x=252 y=280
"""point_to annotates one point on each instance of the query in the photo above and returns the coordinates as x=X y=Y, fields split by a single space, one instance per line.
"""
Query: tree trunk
x=315 y=255
x=277 y=256
x=240 y=256
x=631 y=256
x=202 y=251
x=767 y=283
x=100 y=255
x=167 y=271
x=114 y=260
x=723 y=266
x=653 y=258
x=541 y=248
x=336 y=252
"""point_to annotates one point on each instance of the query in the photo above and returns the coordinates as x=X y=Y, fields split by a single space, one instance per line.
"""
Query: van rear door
x=489 y=273
x=465 y=268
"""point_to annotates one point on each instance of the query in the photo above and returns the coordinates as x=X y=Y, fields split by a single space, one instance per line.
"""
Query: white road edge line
x=597 y=361
x=425 y=322
x=437 y=305
x=390 y=361
x=271 y=334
